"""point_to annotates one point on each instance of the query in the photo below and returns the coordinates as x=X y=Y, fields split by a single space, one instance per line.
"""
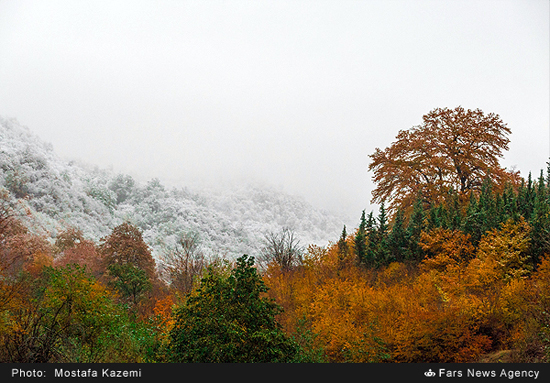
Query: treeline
x=77 y=301
x=452 y=282
x=474 y=214
x=455 y=268
x=463 y=280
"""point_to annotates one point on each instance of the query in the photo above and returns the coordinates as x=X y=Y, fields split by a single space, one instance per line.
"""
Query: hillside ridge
x=228 y=221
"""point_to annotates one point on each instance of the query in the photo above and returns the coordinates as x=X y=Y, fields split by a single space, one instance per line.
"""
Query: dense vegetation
x=457 y=269
x=227 y=219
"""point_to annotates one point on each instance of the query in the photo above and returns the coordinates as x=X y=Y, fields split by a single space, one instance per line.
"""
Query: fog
x=294 y=94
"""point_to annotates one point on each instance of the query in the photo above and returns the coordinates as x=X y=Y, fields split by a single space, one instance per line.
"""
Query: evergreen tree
x=433 y=218
x=372 y=240
x=486 y=208
x=228 y=321
x=454 y=216
x=540 y=223
x=472 y=224
x=414 y=229
x=360 y=240
x=382 y=249
x=397 y=239
x=509 y=201
x=526 y=198
x=343 y=248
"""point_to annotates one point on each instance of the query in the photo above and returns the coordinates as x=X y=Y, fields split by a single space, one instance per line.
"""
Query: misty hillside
x=230 y=221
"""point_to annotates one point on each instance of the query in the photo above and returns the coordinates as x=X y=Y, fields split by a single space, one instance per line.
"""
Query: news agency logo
x=429 y=373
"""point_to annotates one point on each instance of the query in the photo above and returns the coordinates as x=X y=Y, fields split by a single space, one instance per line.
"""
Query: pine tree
x=343 y=248
x=454 y=216
x=540 y=223
x=487 y=210
x=372 y=240
x=433 y=218
x=510 y=204
x=442 y=216
x=360 y=240
x=397 y=239
x=526 y=198
x=382 y=249
x=414 y=229
x=472 y=222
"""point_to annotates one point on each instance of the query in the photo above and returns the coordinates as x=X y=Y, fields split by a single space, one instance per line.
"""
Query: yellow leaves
x=460 y=302
x=541 y=278
x=505 y=250
x=445 y=248
x=341 y=316
x=481 y=275
x=395 y=272
x=38 y=262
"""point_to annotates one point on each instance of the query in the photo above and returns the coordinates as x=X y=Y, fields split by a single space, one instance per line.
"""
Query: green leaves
x=131 y=281
x=228 y=320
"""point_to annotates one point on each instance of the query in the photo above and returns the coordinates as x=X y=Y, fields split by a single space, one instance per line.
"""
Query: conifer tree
x=414 y=229
x=526 y=198
x=442 y=216
x=540 y=223
x=343 y=248
x=433 y=219
x=472 y=222
x=382 y=249
x=229 y=320
x=397 y=239
x=454 y=216
x=487 y=211
x=372 y=240
x=509 y=205
x=360 y=240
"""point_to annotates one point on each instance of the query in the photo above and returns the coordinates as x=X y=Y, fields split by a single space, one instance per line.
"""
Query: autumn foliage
x=452 y=149
x=454 y=268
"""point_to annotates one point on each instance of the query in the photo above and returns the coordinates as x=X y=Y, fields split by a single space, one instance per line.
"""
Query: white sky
x=293 y=93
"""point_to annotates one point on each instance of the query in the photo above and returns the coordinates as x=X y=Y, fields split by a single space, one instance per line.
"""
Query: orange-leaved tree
x=129 y=262
x=453 y=149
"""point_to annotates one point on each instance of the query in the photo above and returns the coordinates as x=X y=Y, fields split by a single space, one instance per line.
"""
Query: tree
x=65 y=316
x=360 y=244
x=343 y=247
x=227 y=320
x=540 y=223
x=383 y=254
x=73 y=248
x=508 y=248
x=123 y=186
x=452 y=149
x=129 y=280
x=125 y=245
x=183 y=264
x=445 y=247
x=282 y=248
x=414 y=230
x=131 y=268
x=7 y=211
x=397 y=239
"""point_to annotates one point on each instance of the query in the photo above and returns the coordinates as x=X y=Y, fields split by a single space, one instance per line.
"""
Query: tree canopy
x=453 y=149
x=228 y=320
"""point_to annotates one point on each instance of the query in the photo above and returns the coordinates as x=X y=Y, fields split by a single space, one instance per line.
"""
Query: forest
x=454 y=266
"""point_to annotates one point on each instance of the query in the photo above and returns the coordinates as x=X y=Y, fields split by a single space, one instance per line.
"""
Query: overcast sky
x=295 y=93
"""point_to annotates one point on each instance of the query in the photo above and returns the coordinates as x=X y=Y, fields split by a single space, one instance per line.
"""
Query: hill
x=229 y=221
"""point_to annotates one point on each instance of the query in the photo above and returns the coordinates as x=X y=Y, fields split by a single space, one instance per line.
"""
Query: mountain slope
x=230 y=221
